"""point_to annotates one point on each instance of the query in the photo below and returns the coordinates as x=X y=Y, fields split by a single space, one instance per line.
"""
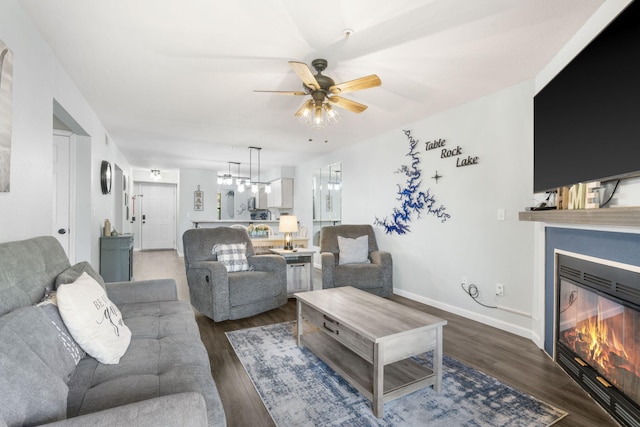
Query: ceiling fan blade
x=304 y=72
x=283 y=92
x=306 y=106
x=347 y=104
x=357 y=84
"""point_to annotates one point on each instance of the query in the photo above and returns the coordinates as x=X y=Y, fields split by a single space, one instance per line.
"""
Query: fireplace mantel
x=623 y=216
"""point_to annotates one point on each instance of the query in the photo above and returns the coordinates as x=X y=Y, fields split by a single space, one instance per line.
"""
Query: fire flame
x=606 y=349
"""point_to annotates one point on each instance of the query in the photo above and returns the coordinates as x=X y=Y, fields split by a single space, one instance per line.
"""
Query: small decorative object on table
x=260 y=230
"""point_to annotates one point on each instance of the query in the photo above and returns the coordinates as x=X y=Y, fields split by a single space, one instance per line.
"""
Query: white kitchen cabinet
x=281 y=195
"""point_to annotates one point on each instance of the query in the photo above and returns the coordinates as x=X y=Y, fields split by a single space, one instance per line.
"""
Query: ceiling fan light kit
x=317 y=112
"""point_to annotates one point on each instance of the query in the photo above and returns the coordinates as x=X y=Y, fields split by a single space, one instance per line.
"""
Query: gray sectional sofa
x=163 y=379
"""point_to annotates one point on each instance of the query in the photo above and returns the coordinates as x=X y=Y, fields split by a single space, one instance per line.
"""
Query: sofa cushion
x=166 y=356
x=249 y=287
x=353 y=251
x=21 y=286
x=74 y=352
x=368 y=276
x=72 y=274
x=93 y=320
x=32 y=377
x=232 y=255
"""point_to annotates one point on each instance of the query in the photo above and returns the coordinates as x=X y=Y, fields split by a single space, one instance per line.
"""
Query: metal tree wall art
x=413 y=201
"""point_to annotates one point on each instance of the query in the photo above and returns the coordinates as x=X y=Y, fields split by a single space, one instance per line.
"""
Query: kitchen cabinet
x=281 y=195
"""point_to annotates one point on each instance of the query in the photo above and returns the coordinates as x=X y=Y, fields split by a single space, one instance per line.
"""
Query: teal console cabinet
x=116 y=258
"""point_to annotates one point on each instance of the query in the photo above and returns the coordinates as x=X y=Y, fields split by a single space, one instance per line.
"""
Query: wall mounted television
x=587 y=119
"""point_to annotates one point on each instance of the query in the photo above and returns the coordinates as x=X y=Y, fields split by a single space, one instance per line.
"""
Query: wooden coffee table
x=369 y=340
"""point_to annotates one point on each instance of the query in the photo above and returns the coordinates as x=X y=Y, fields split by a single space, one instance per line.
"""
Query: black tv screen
x=587 y=119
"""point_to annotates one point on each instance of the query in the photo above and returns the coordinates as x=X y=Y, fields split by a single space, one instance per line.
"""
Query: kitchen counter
x=227 y=222
x=274 y=241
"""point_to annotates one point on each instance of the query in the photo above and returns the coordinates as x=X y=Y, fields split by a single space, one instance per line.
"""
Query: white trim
x=505 y=326
x=616 y=264
x=73 y=197
x=609 y=228
x=72 y=231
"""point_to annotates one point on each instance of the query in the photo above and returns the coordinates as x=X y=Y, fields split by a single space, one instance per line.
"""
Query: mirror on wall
x=232 y=205
x=327 y=198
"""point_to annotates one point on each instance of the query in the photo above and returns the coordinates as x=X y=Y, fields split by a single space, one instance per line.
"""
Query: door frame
x=137 y=227
x=71 y=190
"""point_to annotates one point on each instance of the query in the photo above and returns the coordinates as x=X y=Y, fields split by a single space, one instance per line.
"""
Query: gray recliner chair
x=222 y=295
x=376 y=276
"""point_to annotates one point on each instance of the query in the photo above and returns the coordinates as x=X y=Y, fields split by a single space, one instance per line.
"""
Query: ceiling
x=173 y=81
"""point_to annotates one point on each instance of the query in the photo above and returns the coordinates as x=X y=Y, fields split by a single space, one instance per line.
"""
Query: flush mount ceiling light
x=318 y=111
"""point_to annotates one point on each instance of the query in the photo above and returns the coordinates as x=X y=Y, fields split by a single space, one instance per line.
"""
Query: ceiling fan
x=324 y=91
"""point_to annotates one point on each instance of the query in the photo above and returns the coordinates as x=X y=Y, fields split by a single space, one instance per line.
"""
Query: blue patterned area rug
x=298 y=389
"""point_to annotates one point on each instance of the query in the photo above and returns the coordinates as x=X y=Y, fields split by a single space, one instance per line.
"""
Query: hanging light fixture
x=255 y=184
x=155 y=174
x=239 y=184
x=334 y=184
x=227 y=178
x=337 y=182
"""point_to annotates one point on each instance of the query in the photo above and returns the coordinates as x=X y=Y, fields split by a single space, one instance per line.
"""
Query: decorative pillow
x=353 y=251
x=93 y=320
x=72 y=273
x=233 y=256
x=49 y=305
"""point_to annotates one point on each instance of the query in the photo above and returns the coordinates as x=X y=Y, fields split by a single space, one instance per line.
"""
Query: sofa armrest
x=385 y=261
x=328 y=262
x=380 y=257
x=272 y=263
x=208 y=283
x=154 y=290
x=182 y=409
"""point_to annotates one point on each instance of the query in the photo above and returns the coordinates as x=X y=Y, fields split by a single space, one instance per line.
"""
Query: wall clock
x=105 y=177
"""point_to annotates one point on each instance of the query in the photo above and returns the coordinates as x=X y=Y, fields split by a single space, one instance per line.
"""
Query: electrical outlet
x=464 y=280
x=499 y=289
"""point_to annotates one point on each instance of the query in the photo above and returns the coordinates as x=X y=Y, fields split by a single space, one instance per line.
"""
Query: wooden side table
x=299 y=269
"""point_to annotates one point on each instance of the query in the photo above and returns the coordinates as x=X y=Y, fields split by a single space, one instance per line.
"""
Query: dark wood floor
x=514 y=360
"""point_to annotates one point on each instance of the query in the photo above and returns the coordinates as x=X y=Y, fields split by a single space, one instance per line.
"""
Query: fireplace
x=598 y=331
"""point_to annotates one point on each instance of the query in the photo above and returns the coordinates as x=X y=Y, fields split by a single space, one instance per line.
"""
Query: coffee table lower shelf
x=400 y=378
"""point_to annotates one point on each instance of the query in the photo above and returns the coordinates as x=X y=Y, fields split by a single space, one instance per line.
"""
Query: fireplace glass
x=604 y=334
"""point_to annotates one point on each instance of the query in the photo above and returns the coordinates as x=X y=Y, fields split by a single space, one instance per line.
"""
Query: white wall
x=429 y=261
x=190 y=179
x=38 y=79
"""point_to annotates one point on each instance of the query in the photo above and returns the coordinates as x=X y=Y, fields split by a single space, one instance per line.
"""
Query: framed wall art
x=198 y=200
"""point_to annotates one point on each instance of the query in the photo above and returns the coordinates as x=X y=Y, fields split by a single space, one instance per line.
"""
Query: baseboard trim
x=500 y=324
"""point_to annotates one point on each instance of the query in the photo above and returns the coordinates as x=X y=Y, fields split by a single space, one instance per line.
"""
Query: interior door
x=158 y=216
x=61 y=189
